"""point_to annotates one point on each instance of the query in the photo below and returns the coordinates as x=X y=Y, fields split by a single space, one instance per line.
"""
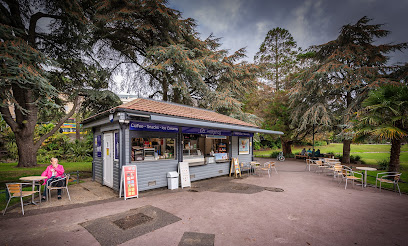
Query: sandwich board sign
x=184 y=172
x=235 y=168
x=129 y=182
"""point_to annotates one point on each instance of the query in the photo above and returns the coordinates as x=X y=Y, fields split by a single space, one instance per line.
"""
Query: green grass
x=10 y=173
x=337 y=148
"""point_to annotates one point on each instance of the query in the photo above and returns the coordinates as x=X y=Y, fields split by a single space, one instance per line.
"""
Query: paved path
x=312 y=210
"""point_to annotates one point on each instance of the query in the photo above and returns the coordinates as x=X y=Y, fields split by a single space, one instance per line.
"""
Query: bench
x=301 y=156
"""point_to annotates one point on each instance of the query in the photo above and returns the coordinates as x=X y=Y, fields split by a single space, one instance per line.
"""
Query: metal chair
x=246 y=167
x=52 y=186
x=390 y=178
x=348 y=174
x=16 y=190
x=265 y=169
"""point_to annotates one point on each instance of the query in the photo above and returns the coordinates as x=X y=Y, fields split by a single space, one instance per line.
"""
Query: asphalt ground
x=293 y=207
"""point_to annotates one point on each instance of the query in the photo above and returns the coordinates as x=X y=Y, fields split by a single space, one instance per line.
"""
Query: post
x=313 y=135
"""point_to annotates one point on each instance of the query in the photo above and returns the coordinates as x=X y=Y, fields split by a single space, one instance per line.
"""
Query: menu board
x=184 y=172
x=129 y=182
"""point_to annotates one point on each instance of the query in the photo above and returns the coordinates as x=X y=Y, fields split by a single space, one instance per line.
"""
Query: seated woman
x=53 y=172
x=303 y=153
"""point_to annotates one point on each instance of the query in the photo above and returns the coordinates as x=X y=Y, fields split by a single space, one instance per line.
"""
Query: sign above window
x=148 y=126
x=242 y=134
x=205 y=131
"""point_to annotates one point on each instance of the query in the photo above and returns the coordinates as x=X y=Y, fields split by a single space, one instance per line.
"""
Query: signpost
x=129 y=182
x=184 y=172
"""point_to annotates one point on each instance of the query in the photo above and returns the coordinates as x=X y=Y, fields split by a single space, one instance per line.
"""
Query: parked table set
x=365 y=169
x=33 y=179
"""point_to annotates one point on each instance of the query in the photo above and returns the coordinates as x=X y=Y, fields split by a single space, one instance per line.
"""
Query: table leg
x=365 y=178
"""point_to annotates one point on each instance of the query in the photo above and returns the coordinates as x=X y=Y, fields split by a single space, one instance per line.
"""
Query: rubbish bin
x=172 y=180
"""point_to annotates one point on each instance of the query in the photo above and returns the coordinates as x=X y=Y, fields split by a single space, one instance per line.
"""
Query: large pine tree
x=348 y=67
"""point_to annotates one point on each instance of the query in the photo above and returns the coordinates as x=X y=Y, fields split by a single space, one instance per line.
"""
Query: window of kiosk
x=193 y=149
x=151 y=149
x=218 y=147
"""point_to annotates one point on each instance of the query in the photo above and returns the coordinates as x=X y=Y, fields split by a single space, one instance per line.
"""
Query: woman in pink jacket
x=53 y=172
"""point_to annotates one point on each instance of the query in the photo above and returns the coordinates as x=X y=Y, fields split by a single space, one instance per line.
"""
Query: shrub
x=383 y=164
x=274 y=154
x=320 y=143
x=257 y=145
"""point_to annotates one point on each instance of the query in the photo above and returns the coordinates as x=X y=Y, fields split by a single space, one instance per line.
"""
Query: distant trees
x=347 y=68
x=277 y=54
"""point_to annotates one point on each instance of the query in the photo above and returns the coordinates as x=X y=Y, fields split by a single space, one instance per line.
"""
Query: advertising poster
x=243 y=144
x=129 y=182
x=98 y=141
x=116 y=145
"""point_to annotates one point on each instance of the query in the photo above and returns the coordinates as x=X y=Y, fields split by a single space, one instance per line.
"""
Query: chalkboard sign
x=129 y=182
x=184 y=172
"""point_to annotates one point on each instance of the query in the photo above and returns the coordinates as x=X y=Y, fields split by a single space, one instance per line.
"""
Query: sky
x=245 y=23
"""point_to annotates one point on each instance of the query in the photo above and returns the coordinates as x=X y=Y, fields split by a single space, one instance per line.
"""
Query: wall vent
x=151 y=183
x=220 y=171
x=192 y=176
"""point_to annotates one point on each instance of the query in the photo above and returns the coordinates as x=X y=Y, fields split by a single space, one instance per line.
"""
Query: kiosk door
x=108 y=159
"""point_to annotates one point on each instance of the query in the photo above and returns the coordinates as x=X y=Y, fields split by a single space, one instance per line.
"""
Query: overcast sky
x=245 y=23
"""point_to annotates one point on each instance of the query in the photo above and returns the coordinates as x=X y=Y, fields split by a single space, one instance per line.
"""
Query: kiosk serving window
x=150 y=149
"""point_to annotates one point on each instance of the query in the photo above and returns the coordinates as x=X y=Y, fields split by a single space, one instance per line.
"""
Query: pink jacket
x=48 y=172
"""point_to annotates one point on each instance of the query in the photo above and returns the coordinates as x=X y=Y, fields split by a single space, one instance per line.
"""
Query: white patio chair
x=390 y=178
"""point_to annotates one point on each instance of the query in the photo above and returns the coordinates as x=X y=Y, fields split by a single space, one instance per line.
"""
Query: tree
x=39 y=63
x=347 y=69
x=385 y=116
x=277 y=54
x=164 y=50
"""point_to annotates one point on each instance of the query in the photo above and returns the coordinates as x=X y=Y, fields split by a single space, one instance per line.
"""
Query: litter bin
x=172 y=180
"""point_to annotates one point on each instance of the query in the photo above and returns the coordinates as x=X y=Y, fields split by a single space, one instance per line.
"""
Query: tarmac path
x=312 y=210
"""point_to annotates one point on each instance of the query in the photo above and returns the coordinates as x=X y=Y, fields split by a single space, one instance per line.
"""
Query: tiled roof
x=152 y=106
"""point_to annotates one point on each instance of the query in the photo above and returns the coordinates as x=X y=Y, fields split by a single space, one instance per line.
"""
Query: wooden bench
x=301 y=156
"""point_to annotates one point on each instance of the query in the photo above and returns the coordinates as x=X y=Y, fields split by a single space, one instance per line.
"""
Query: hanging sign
x=129 y=182
x=149 y=126
x=184 y=171
x=205 y=131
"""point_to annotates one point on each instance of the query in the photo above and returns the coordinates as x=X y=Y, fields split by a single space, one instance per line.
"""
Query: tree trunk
x=287 y=147
x=395 y=155
x=346 y=151
x=77 y=127
x=27 y=151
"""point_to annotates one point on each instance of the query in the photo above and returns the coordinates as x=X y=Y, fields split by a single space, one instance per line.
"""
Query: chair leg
x=68 y=194
x=4 y=212
x=22 y=204
x=380 y=186
x=399 y=189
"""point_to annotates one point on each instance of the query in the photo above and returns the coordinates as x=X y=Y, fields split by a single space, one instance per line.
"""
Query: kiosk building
x=156 y=136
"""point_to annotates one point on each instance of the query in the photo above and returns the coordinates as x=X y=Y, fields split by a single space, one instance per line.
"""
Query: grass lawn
x=337 y=148
x=10 y=173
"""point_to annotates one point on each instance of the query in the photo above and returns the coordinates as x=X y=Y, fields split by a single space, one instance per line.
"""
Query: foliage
x=383 y=164
x=385 y=116
x=277 y=54
x=329 y=92
x=45 y=68
x=162 y=51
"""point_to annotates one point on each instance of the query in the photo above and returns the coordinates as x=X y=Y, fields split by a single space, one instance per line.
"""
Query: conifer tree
x=277 y=54
x=347 y=68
